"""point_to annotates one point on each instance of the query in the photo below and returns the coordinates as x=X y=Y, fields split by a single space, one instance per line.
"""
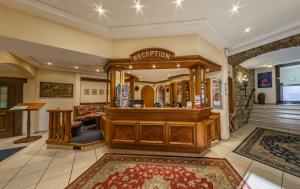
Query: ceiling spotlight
x=207 y=70
x=178 y=65
x=178 y=3
x=138 y=6
x=247 y=30
x=235 y=9
x=269 y=66
x=153 y=66
x=97 y=70
x=49 y=63
x=76 y=67
x=130 y=67
x=100 y=10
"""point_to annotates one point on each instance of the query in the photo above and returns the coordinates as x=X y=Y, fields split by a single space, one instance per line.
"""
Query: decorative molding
x=291 y=41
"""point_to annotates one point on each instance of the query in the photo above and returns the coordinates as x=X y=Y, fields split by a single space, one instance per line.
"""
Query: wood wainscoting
x=162 y=129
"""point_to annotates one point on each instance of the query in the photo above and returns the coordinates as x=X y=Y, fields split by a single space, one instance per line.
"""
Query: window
x=3 y=96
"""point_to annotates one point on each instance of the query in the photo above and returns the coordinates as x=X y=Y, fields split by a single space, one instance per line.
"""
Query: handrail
x=250 y=97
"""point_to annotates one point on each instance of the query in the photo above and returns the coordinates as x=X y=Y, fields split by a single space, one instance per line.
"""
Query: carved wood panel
x=152 y=132
x=182 y=133
x=123 y=131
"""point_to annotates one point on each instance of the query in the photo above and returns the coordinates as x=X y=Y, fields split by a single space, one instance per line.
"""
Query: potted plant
x=261 y=98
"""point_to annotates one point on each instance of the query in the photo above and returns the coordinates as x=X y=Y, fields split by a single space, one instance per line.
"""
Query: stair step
x=274 y=115
x=279 y=111
x=277 y=120
x=275 y=125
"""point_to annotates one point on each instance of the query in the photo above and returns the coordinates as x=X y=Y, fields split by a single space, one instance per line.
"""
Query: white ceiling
x=282 y=56
x=269 y=19
x=39 y=55
x=156 y=75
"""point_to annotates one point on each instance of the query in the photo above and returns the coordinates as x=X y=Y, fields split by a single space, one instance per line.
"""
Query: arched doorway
x=147 y=95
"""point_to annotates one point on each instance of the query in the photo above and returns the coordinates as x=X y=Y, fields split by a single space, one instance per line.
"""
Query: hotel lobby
x=132 y=94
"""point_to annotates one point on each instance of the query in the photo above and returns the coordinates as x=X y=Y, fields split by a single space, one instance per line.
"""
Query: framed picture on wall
x=56 y=90
x=101 y=91
x=264 y=80
x=86 y=92
x=94 y=91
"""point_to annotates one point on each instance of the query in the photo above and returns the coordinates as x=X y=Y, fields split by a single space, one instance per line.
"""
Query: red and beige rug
x=115 y=171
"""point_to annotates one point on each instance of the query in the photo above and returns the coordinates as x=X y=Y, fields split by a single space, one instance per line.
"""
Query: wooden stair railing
x=250 y=97
x=59 y=126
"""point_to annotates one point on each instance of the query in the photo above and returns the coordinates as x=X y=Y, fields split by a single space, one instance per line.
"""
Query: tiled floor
x=39 y=167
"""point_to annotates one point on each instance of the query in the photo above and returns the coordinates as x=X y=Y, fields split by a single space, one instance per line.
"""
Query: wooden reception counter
x=163 y=129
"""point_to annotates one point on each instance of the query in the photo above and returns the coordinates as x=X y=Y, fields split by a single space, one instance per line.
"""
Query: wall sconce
x=245 y=85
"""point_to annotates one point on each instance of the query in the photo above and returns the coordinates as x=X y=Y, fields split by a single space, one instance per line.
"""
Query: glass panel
x=3 y=97
x=291 y=93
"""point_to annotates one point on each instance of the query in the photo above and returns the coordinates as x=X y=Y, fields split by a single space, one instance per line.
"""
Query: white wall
x=269 y=92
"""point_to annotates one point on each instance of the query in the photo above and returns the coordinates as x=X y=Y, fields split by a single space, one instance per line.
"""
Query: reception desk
x=162 y=129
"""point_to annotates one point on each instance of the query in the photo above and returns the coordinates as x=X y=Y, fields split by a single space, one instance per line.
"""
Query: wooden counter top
x=158 y=114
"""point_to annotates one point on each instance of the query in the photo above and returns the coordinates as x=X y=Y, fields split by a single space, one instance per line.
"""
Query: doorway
x=147 y=95
x=11 y=93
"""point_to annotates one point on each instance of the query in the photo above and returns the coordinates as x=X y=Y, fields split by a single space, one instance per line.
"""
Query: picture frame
x=94 y=91
x=101 y=91
x=264 y=80
x=86 y=91
x=56 y=90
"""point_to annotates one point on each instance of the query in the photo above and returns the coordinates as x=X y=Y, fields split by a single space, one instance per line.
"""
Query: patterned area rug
x=114 y=171
x=274 y=148
x=9 y=152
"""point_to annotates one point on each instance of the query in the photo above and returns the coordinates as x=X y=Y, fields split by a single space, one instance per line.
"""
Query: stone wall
x=239 y=95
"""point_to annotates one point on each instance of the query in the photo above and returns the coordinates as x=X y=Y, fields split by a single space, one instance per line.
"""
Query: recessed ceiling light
x=153 y=66
x=269 y=66
x=207 y=70
x=138 y=6
x=178 y=3
x=235 y=8
x=100 y=10
x=49 y=63
x=76 y=67
x=178 y=65
x=97 y=70
x=247 y=30
x=130 y=67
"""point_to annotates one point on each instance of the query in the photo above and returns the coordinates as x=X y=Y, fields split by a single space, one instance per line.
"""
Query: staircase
x=279 y=116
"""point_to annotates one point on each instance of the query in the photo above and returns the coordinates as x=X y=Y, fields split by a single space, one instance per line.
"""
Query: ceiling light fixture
x=100 y=10
x=247 y=30
x=138 y=6
x=207 y=70
x=130 y=67
x=153 y=66
x=178 y=65
x=49 y=63
x=269 y=66
x=178 y=3
x=76 y=67
x=97 y=70
x=235 y=9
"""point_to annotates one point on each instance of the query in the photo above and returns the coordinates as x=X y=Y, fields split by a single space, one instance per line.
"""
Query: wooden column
x=192 y=90
x=204 y=87
x=112 y=87
x=175 y=92
x=122 y=77
x=198 y=78
x=183 y=96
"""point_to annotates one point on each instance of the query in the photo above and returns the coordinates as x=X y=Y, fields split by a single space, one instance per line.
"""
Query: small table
x=28 y=107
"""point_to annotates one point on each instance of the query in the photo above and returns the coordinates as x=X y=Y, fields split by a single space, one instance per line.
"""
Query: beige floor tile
x=240 y=166
x=8 y=173
x=262 y=180
x=291 y=178
x=236 y=157
x=79 y=164
x=59 y=182
x=25 y=181
x=77 y=173
x=286 y=184
x=257 y=166
x=85 y=154
x=32 y=168
x=60 y=170
x=62 y=158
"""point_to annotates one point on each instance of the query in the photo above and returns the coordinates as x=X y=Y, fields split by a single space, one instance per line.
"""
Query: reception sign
x=152 y=54
x=217 y=102
x=264 y=80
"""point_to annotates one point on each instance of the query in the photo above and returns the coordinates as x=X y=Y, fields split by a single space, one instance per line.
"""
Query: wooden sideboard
x=163 y=129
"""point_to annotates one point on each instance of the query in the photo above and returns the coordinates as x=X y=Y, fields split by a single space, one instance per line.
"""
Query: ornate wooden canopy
x=162 y=59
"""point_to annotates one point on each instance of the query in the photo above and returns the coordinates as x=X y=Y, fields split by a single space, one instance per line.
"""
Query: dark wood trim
x=238 y=58
x=289 y=64
x=277 y=83
x=94 y=79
